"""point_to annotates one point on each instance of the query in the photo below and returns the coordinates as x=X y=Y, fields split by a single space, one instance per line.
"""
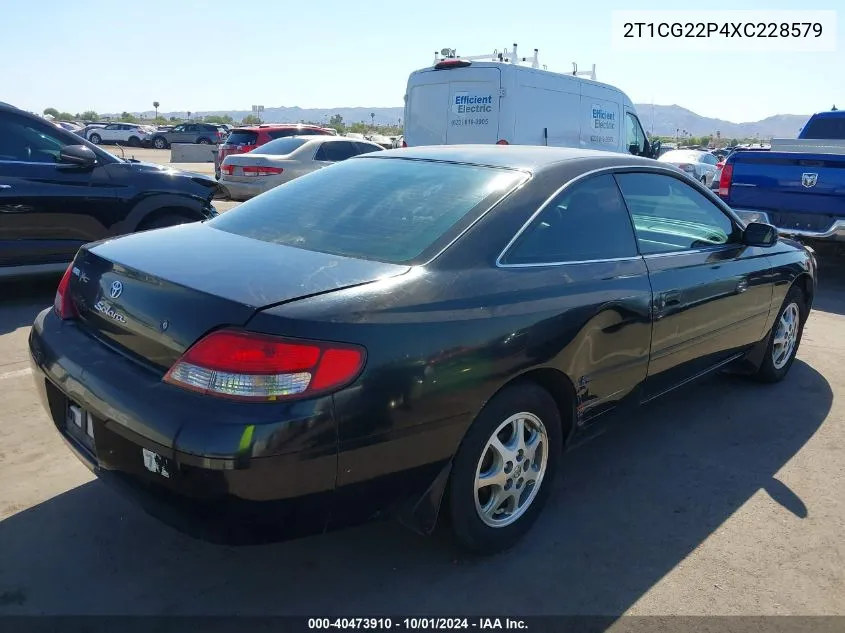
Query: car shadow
x=628 y=507
x=21 y=301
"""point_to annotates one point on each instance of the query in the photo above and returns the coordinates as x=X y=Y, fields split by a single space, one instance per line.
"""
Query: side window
x=23 y=140
x=669 y=215
x=178 y=128
x=586 y=222
x=366 y=148
x=113 y=126
x=191 y=128
x=337 y=151
x=634 y=135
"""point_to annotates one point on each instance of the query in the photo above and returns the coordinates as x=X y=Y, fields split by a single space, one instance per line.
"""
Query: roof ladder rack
x=505 y=56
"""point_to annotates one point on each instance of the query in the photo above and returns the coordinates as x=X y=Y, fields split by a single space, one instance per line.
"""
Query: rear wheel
x=95 y=139
x=504 y=469
x=159 y=142
x=204 y=141
x=785 y=338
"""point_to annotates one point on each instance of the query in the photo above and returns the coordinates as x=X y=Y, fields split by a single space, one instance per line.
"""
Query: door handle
x=670 y=298
x=5 y=187
x=742 y=286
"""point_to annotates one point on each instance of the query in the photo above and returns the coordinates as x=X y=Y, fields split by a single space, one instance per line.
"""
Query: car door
x=47 y=209
x=578 y=259
x=712 y=294
x=110 y=133
x=710 y=162
x=179 y=134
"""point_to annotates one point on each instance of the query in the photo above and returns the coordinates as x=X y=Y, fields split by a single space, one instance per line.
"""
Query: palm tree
x=155 y=105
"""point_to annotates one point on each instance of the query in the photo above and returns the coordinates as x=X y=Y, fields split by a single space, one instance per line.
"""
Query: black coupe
x=416 y=332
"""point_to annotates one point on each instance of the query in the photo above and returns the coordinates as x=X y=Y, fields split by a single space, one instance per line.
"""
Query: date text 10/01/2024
x=417 y=623
x=460 y=122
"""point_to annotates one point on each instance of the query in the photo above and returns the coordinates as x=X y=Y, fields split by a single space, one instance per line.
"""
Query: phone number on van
x=460 y=122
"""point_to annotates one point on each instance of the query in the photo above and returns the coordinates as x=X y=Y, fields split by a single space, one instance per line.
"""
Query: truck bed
x=809 y=145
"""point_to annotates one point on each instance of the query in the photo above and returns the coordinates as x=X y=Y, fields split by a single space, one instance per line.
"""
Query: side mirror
x=655 y=149
x=80 y=155
x=760 y=234
x=634 y=149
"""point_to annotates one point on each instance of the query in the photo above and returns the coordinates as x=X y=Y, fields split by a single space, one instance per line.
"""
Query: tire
x=164 y=221
x=159 y=142
x=96 y=139
x=473 y=517
x=775 y=364
x=204 y=141
x=134 y=141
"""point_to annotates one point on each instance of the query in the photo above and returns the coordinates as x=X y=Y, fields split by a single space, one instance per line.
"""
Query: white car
x=131 y=134
x=694 y=163
x=283 y=159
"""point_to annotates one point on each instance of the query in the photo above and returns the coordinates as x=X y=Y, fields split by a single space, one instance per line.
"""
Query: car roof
x=526 y=157
x=276 y=126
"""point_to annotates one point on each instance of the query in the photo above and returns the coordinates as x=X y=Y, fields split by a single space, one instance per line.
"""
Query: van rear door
x=454 y=106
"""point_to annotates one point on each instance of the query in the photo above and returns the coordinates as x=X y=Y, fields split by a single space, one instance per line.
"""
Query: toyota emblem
x=116 y=289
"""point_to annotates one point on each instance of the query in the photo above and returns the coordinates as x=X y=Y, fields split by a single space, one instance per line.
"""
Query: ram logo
x=809 y=180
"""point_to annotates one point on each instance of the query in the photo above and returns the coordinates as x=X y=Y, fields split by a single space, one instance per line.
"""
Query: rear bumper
x=276 y=484
x=243 y=190
x=835 y=232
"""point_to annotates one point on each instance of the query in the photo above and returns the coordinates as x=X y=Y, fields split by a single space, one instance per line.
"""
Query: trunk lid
x=151 y=295
x=454 y=106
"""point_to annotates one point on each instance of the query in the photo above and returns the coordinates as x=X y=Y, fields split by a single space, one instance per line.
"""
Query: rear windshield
x=390 y=210
x=239 y=137
x=825 y=128
x=281 y=146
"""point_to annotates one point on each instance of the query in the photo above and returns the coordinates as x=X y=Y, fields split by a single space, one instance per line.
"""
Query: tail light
x=256 y=367
x=725 y=179
x=502 y=141
x=63 y=304
x=252 y=170
x=227 y=169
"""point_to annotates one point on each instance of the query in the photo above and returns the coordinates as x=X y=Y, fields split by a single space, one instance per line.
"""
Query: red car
x=245 y=139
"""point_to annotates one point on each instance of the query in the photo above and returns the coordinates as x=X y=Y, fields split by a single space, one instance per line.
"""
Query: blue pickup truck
x=798 y=185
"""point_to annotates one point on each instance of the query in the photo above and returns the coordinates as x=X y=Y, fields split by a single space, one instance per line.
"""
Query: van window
x=634 y=134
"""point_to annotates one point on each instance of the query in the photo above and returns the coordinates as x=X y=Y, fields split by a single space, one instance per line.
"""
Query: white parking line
x=16 y=373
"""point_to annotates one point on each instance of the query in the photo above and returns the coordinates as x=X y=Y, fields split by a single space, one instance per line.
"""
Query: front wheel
x=134 y=141
x=504 y=469
x=785 y=338
x=95 y=139
x=204 y=141
x=159 y=142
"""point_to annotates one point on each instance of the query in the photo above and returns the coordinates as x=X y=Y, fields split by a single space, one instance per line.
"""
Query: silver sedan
x=282 y=160
x=694 y=163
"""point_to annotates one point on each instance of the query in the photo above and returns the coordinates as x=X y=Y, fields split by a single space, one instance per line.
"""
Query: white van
x=495 y=99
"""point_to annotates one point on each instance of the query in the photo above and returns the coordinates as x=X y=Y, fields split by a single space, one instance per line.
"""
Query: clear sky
x=112 y=56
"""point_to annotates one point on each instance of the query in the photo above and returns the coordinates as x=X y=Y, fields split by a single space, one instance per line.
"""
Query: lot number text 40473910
x=469 y=121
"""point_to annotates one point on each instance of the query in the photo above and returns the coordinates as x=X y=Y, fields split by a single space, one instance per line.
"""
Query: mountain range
x=662 y=120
